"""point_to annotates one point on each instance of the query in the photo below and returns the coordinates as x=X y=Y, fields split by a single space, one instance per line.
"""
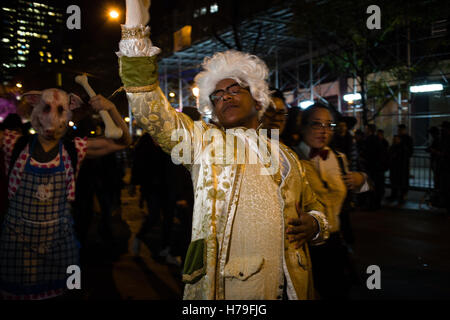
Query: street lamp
x=172 y=94
x=113 y=14
x=350 y=97
x=195 y=91
x=426 y=88
x=306 y=103
x=18 y=85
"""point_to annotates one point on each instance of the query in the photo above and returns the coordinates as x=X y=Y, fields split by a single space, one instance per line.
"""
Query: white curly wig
x=247 y=70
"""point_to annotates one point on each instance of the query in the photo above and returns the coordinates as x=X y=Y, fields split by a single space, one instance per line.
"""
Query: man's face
x=235 y=106
x=342 y=128
x=275 y=116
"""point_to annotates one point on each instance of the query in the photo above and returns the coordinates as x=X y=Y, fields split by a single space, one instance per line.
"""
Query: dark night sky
x=97 y=41
x=97 y=29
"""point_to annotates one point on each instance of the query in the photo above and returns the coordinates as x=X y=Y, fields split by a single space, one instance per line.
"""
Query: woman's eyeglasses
x=317 y=125
x=231 y=90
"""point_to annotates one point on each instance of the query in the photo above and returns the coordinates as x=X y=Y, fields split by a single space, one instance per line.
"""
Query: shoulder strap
x=19 y=146
x=69 y=145
x=340 y=161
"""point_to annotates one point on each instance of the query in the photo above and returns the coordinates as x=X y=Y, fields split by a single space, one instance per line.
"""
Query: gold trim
x=229 y=219
x=189 y=277
x=148 y=88
x=139 y=32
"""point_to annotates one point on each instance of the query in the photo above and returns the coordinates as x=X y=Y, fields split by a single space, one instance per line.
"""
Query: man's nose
x=227 y=95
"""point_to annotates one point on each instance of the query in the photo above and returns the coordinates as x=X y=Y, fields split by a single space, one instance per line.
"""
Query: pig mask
x=52 y=110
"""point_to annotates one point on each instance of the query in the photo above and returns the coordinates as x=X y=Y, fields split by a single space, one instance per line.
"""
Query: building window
x=214 y=8
x=196 y=13
x=203 y=11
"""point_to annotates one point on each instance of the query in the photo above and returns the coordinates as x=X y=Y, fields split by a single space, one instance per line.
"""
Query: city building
x=32 y=35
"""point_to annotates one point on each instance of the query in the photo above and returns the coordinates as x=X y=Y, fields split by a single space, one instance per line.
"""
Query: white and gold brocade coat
x=217 y=190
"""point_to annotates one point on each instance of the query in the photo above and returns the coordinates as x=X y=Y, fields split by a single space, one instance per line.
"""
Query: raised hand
x=137 y=12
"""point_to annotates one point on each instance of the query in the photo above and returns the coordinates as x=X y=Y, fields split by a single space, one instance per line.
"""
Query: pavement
x=119 y=271
x=409 y=243
x=411 y=249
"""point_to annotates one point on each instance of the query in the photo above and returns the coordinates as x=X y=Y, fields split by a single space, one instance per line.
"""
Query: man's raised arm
x=139 y=73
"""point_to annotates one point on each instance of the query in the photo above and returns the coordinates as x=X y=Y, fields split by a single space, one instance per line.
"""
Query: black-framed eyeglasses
x=271 y=111
x=232 y=90
x=317 y=125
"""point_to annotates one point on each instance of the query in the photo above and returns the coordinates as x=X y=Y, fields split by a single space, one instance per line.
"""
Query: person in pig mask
x=38 y=241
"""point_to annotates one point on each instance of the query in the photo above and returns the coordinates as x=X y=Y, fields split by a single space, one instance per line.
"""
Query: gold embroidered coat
x=216 y=189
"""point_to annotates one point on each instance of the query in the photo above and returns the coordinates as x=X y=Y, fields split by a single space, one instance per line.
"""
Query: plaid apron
x=38 y=241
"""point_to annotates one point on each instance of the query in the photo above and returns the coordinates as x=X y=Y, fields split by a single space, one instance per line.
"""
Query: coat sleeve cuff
x=138 y=74
x=323 y=233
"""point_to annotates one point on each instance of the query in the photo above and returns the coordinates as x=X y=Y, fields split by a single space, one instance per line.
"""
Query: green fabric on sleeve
x=138 y=71
x=195 y=263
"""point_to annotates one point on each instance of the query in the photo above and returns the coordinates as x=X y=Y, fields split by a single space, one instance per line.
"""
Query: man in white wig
x=251 y=226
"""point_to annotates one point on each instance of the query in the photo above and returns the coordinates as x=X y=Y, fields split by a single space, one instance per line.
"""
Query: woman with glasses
x=329 y=177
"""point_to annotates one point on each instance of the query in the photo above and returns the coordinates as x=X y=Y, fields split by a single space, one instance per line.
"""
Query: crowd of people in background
x=347 y=168
x=439 y=150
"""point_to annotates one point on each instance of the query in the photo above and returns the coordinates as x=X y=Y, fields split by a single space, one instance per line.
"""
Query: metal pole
x=180 y=87
x=409 y=66
x=276 y=70
x=354 y=92
x=339 y=97
x=311 y=88
x=297 y=78
x=130 y=115
x=399 y=95
x=166 y=89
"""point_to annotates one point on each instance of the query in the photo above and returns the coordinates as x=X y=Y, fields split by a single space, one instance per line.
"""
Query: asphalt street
x=410 y=246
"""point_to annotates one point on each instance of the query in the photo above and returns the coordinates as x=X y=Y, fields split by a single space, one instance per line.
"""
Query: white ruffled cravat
x=137 y=16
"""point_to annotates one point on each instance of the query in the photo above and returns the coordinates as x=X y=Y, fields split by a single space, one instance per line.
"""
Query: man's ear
x=32 y=97
x=74 y=101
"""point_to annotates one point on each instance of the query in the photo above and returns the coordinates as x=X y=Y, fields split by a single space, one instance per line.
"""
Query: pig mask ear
x=74 y=101
x=32 y=97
